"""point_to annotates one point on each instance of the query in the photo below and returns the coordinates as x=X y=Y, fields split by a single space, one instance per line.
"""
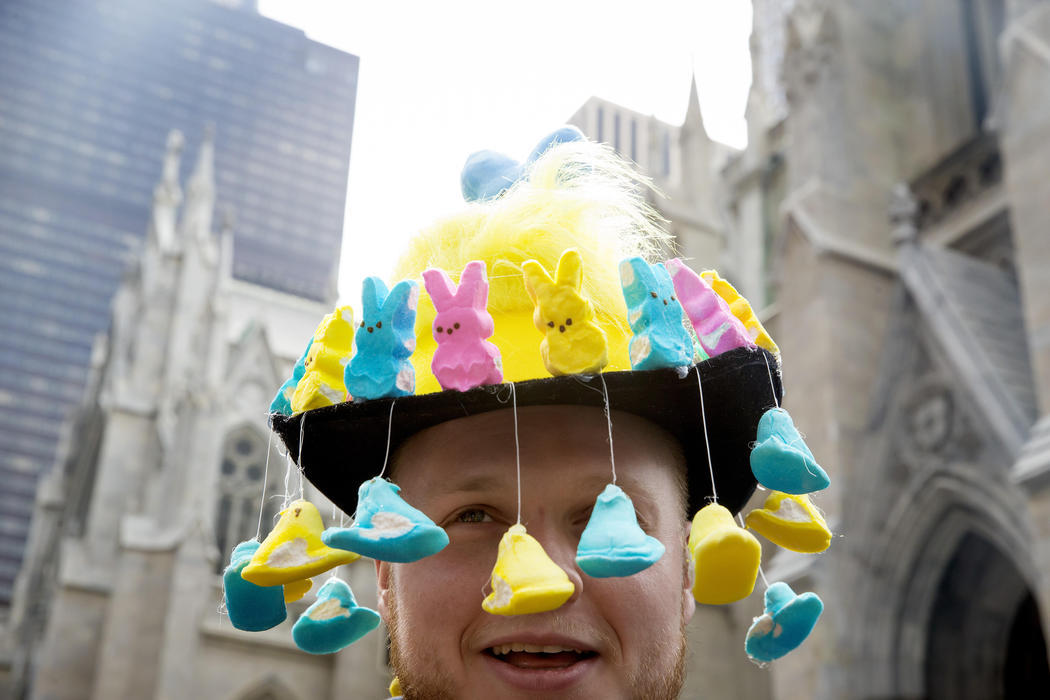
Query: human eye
x=473 y=515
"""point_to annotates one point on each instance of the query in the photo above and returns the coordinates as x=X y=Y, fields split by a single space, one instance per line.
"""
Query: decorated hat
x=508 y=250
x=546 y=290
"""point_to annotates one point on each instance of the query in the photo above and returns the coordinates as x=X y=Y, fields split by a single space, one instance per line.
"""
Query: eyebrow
x=472 y=484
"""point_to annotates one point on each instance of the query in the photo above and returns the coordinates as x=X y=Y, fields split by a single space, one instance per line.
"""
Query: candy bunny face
x=461 y=314
x=558 y=301
x=387 y=320
x=650 y=295
x=572 y=342
x=660 y=338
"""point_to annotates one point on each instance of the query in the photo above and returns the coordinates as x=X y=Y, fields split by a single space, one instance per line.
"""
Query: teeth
x=531 y=648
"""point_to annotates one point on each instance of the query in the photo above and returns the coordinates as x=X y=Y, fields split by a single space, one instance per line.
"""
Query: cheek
x=645 y=610
x=443 y=593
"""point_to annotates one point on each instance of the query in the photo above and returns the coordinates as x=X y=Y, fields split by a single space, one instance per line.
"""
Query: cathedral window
x=240 y=488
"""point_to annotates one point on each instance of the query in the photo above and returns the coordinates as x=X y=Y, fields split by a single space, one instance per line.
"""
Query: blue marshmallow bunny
x=384 y=341
x=656 y=318
x=282 y=401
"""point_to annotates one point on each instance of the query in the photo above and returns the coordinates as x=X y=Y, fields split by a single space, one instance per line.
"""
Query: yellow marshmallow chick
x=293 y=550
x=741 y=308
x=322 y=381
x=295 y=590
x=525 y=580
x=725 y=557
x=572 y=342
x=792 y=522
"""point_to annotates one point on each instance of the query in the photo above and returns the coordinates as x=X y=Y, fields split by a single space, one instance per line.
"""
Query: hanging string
x=299 y=461
x=608 y=421
x=760 y=571
x=389 y=430
x=707 y=442
x=266 y=473
x=517 y=448
x=287 y=479
x=771 y=387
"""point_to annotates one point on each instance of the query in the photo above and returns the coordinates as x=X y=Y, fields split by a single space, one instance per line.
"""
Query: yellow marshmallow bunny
x=572 y=343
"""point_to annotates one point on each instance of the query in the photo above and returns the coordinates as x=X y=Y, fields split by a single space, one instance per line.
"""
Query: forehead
x=563 y=444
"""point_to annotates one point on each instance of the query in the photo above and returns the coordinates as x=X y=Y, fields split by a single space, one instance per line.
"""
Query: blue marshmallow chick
x=251 y=608
x=334 y=621
x=387 y=528
x=384 y=341
x=785 y=624
x=781 y=460
x=613 y=544
x=282 y=402
x=656 y=317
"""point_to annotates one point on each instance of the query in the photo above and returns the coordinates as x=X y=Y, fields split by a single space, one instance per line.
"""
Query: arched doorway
x=984 y=637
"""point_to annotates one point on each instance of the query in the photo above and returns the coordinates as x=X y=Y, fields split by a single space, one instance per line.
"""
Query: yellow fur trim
x=578 y=195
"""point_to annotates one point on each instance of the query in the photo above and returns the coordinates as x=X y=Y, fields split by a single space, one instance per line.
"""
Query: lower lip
x=541 y=679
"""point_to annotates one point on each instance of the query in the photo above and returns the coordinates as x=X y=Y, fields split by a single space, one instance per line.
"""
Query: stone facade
x=166 y=461
x=898 y=157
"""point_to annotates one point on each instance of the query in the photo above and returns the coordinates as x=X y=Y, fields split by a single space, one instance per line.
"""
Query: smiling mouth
x=538 y=656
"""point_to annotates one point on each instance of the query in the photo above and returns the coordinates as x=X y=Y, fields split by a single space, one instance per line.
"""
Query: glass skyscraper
x=89 y=90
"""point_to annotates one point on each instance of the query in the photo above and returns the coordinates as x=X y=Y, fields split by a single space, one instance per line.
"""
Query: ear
x=688 y=577
x=383 y=574
x=686 y=282
x=636 y=279
x=570 y=269
x=473 y=286
x=536 y=278
x=400 y=305
x=440 y=288
x=373 y=293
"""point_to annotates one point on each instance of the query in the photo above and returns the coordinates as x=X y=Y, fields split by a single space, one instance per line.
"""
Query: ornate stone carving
x=812 y=40
x=933 y=427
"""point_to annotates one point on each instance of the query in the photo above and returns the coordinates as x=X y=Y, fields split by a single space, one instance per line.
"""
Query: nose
x=560 y=546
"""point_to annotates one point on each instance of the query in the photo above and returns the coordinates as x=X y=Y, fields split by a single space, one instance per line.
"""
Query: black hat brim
x=344 y=445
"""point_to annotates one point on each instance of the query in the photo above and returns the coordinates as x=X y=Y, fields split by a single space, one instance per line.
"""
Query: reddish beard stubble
x=423 y=680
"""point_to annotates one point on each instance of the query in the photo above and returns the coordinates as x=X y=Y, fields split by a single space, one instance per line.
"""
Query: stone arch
x=946 y=522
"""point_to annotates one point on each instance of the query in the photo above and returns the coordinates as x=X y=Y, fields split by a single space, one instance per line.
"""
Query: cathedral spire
x=693 y=116
x=167 y=195
x=200 y=198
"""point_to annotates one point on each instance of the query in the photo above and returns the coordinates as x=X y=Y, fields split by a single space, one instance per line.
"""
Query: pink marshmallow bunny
x=717 y=329
x=464 y=358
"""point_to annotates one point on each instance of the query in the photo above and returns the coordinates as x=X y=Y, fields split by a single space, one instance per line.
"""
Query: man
x=615 y=638
x=539 y=449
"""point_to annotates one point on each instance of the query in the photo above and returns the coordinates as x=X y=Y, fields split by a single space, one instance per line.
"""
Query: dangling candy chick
x=384 y=342
x=293 y=550
x=525 y=580
x=334 y=621
x=295 y=590
x=791 y=522
x=322 y=382
x=781 y=460
x=251 y=608
x=387 y=528
x=613 y=544
x=725 y=557
x=660 y=338
x=464 y=357
x=786 y=623
x=572 y=342
x=717 y=329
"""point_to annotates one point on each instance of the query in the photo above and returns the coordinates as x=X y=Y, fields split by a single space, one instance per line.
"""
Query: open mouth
x=538 y=656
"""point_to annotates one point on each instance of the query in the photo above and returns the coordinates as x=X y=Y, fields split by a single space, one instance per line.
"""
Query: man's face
x=462 y=474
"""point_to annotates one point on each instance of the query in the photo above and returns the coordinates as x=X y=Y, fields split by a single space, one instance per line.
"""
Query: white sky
x=440 y=80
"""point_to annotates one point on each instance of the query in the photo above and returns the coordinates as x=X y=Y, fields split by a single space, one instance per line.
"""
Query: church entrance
x=985 y=637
